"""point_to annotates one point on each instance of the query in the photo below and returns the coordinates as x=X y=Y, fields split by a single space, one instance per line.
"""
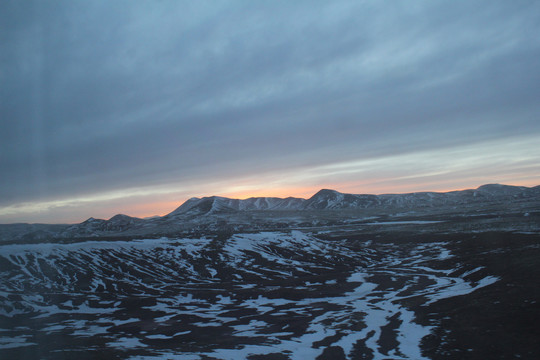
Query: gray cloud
x=98 y=96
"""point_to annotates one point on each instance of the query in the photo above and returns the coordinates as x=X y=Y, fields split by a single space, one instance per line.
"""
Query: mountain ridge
x=328 y=199
x=216 y=212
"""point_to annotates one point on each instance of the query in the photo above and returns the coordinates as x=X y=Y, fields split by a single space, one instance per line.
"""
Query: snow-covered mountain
x=331 y=199
x=91 y=226
x=215 y=204
x=221 y=210
x=327 y=199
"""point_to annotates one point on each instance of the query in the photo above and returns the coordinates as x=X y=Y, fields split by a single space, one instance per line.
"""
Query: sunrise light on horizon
x=438 y=171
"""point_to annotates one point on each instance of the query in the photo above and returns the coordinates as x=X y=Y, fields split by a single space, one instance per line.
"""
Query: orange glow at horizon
x=384 y=186
x=143 y=210
x=302 y=192
x=160 y=204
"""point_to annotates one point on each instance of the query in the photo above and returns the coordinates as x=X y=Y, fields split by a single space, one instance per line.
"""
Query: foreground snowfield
x=271 y=295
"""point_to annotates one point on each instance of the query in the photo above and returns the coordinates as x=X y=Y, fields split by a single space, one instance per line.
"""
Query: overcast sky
x=134 y=106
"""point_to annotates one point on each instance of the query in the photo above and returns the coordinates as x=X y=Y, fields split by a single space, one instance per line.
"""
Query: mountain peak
x=492 y=186
x=500 y=189
x=326 y=192
x=118 y=217
x=325 y=199
x=92 y=220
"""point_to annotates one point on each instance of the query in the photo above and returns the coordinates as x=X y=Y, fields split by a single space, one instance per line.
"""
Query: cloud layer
x=100 y=99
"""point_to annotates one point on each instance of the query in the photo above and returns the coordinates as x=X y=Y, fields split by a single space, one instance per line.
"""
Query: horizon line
x=255 y=197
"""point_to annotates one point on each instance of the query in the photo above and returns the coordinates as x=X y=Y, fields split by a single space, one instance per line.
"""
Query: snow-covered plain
x=226 y=298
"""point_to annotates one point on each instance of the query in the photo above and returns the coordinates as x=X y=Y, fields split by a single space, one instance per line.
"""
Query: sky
x=133 y=107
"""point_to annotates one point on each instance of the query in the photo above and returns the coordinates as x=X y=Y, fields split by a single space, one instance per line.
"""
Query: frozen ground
x=268 y=295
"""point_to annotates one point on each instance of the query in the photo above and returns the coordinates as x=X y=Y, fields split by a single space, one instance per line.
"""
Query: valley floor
x=312 y=294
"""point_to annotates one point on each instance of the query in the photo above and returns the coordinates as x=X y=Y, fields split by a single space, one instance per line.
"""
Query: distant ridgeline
x=332 y=200
x=196 y=211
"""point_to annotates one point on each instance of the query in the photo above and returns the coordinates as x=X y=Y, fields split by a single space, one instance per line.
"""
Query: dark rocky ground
x=460 y=288
x=500 y=321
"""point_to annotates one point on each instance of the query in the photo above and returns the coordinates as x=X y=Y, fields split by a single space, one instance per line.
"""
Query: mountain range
x=326 y=199
x=219 y=210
